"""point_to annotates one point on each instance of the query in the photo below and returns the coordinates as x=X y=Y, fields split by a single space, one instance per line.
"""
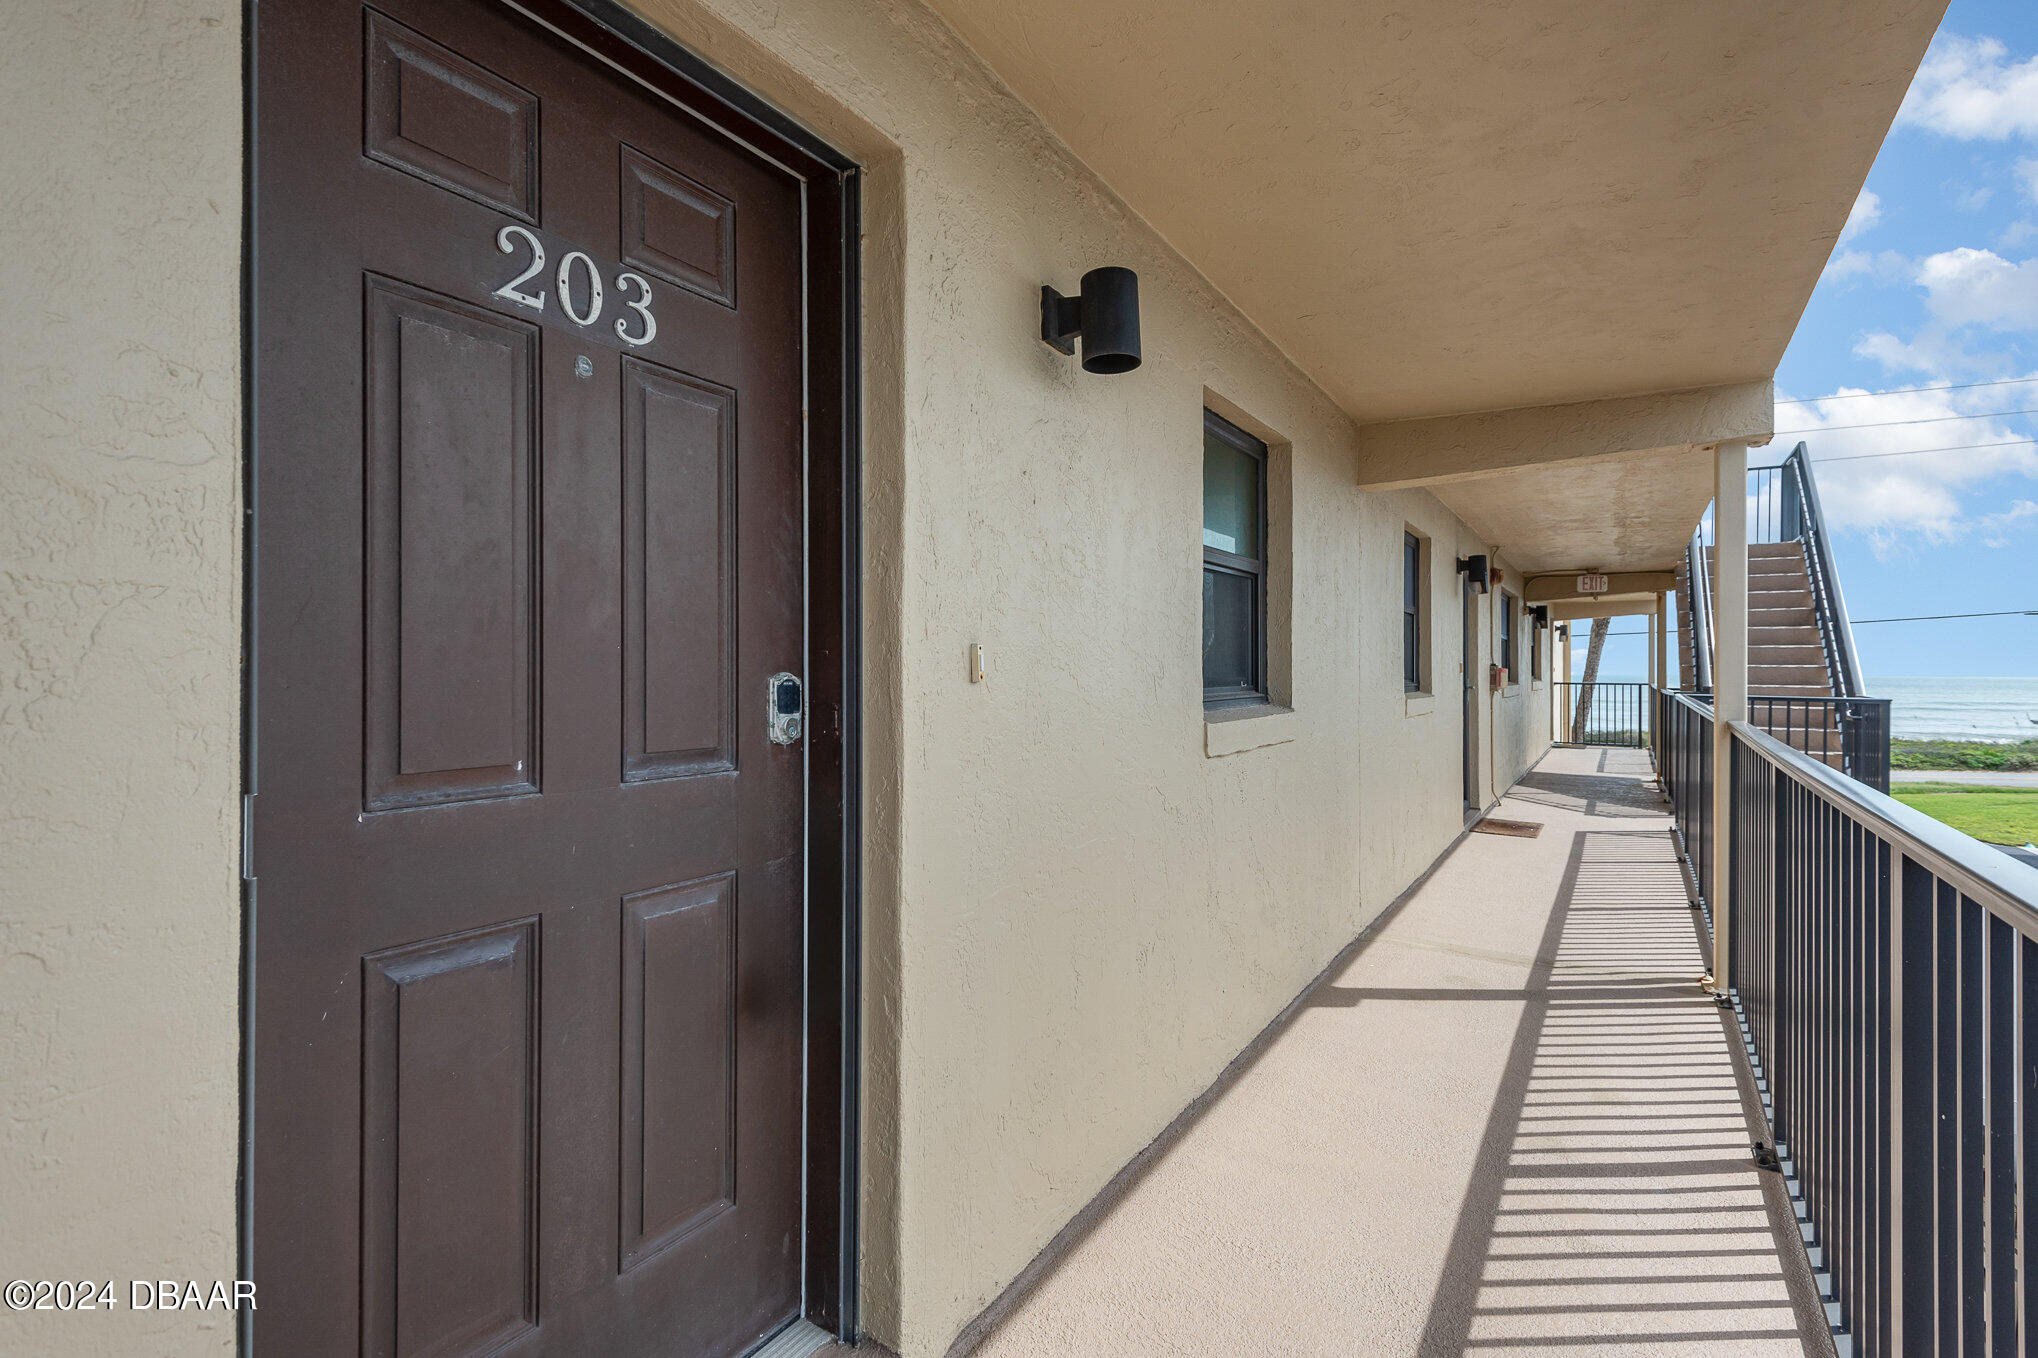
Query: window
x=1411 y=613
x=1234 y=564
x=1535 y=645
x=1507 y=633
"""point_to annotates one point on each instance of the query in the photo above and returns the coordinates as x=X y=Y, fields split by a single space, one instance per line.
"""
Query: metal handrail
x=1701 y=609
x=2005 y=887
x=1833 y=621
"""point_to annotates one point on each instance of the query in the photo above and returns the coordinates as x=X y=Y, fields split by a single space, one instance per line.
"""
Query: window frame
x=1508 y=638
x=1231 y=563
x=1414 y=666
x=1535 y=640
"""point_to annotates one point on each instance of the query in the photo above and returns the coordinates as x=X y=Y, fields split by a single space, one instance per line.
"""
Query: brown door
x=529 y=546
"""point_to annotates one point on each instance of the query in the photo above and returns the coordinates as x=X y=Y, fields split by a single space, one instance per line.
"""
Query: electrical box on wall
x=1497 y=676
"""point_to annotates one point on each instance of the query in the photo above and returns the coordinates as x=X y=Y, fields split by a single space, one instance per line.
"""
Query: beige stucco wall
x=120 y=228
x=1092 y=916
x=1075 y=916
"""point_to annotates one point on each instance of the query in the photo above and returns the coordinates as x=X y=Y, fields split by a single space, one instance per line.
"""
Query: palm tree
x=1591 y=677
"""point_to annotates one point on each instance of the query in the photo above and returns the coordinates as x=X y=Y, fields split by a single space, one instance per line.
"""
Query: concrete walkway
x=1511 y=1123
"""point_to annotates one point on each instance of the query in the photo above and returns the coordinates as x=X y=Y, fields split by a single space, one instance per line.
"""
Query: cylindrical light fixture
x=1105 y=314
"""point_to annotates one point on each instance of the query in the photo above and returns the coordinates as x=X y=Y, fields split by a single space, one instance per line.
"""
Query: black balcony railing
x=1604 y=714
x=1884 y=974
x=1848 y=734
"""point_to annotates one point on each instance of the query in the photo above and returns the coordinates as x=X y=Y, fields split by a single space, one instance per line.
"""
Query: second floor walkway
x=1509 y=1121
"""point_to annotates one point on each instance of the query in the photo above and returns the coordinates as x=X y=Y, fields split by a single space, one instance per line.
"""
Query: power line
x=1942 y=617
x=1905 y=391
x=1923 y=617
x=1890 y=424
x=1914 y=452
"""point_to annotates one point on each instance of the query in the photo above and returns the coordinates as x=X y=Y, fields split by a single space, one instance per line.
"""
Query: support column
x=1662 y=642
x=1729 y=681
x=1564 y=693
x=1661 y=653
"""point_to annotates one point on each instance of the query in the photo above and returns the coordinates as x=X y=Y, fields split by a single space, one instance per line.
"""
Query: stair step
x=1778 y=678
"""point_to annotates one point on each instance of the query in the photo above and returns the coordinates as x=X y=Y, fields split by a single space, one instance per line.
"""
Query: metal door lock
x=785 y=699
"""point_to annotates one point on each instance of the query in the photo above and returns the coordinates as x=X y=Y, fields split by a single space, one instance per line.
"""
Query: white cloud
x=1865 y=213
x=1886 y=266
x=1970 y=88
x=1994 y=527
x=1979 y=287
x=1934 y=352
x=1898 y=500
x=1974 y=200
x=2027 y=175
x=2020 y=232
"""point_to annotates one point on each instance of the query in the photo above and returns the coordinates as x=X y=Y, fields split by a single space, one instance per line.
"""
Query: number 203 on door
x=579 y=285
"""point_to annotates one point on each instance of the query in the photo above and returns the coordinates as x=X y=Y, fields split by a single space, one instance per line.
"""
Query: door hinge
x=248 y=837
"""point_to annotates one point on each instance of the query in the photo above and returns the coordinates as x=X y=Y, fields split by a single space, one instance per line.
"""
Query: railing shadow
x=1614 y=1203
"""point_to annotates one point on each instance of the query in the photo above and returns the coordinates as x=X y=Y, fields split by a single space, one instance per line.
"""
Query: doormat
x=1520 y=829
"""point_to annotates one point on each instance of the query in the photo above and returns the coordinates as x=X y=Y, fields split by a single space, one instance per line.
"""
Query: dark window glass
x=1231 y=498
x=1230 y=605
x=1411 y=612
x=1535 y=648
x=1507 y=634
x=1234 y=564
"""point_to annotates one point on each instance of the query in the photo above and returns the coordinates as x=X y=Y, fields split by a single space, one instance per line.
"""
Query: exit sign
x=1592 y=584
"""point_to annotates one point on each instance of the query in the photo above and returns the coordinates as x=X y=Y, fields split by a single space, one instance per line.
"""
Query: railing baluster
x=1915 y=1230
x=2027 y=1141
x=2001 y=1080
x=1973 y=1143
x=1946 y=1062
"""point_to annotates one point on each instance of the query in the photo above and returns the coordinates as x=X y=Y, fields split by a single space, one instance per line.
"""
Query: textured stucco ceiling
x=1458 y=205
x=1632 y=513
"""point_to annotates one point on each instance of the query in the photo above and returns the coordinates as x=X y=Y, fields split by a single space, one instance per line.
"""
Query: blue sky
x=1934 y=282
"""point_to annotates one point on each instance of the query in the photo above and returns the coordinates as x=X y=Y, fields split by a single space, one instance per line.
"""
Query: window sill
x=1249 y=726
x=1510 y=690
x=1421 y=704
x=1536 y=684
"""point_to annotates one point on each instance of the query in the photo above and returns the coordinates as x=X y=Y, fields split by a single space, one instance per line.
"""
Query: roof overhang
x=1613 y=485
x=1644 y=606
x=1459 y=207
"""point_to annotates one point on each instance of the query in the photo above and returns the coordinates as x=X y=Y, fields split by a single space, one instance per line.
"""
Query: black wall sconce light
x=1105 y=313
x=1473 y=568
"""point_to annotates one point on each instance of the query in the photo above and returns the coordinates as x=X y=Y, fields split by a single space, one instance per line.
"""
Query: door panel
x=449 y=1124
x=450 y=631
x=679 y=1091
x=528 y=920
x=679 y=574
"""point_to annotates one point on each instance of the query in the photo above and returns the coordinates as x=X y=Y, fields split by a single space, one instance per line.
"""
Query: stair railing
x=1698 y=606
x=1836 y=633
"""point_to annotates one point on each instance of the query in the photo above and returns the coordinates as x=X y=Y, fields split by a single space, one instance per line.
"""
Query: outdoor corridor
x=1509 y=1122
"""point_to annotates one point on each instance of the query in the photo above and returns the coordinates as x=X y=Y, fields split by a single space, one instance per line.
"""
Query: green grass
x=1999 y=815
x=2009 y=756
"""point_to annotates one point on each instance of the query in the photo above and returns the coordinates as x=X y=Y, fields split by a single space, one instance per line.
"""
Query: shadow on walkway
x=1614 y=1206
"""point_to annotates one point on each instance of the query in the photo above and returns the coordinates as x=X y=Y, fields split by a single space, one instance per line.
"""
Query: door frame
x=1468 y=617
x=831 y=212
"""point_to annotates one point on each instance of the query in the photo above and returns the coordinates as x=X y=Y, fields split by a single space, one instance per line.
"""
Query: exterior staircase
x=1786 y=657
x=1803 y=675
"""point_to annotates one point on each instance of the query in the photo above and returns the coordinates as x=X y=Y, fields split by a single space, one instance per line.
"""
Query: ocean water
x=1959 y=709
x=1927 y=708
